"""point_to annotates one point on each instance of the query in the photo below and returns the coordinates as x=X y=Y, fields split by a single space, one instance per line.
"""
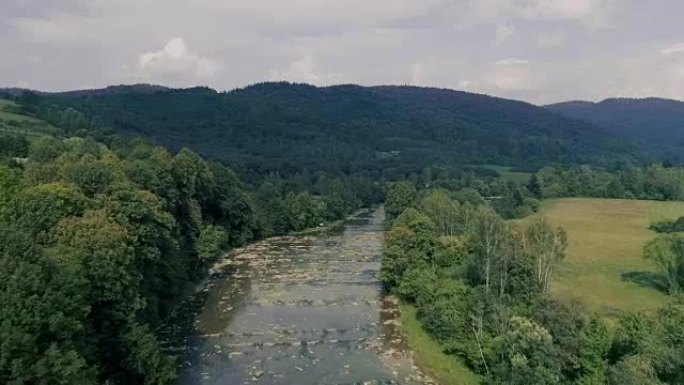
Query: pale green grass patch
x=604 y=269
x=443 y=368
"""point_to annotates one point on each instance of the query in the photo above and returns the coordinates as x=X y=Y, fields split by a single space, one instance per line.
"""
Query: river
x=301 y=310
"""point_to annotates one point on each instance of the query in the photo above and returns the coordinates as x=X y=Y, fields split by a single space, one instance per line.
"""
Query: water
x=301 y=310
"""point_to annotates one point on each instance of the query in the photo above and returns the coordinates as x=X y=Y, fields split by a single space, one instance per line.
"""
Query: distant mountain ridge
x=286 y=128
x=143 y=88
x=650 y=120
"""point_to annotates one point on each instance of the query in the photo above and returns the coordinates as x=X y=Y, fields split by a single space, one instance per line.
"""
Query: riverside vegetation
x=480 y=287
x=104 y=233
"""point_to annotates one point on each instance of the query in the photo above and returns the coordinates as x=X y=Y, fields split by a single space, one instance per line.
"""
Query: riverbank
x=299 y=310
x=428 y=356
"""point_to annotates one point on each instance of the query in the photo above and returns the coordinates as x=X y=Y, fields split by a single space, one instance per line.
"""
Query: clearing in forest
x=604 y=269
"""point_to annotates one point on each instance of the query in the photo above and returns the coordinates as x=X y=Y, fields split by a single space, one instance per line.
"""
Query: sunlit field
x=604 y=269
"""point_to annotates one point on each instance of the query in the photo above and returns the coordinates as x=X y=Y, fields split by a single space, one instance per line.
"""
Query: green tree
x=37 y=209
x=546 y=245
x=525 y=355
x=400 y=196
x=211 y=243
x=534 y=186
x=667 y=252
x=410 y=242
x=443 y=211
x=43 y=314
x=45 y=149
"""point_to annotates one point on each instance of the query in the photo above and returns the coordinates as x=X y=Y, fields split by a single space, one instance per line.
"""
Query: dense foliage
x=101 y=237
x=479 y=285
x=290 y=128
x=653 y=183
x=653 y=121
x=99 y=243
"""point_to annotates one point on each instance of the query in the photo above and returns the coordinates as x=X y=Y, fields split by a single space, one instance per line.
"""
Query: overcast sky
x=535 y=50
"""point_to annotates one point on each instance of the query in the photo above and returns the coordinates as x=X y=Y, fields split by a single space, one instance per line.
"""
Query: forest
x=100 y=243
x=114 y=203
x=381 y=131
x=480 y=287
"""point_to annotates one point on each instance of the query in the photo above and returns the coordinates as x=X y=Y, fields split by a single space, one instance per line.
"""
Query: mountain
x=287 y=128
x=650 y=120
x=110 y=90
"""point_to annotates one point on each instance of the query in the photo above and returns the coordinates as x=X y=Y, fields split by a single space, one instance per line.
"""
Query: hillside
x=650 y=120
x=397 y=130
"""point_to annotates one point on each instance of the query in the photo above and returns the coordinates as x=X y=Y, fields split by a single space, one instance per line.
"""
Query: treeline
x=288 y=128
x=99 y=243
x=480 y=288
x=667 y=252
x=653 y=183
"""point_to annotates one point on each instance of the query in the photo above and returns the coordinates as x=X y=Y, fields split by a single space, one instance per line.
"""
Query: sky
x=540 y=51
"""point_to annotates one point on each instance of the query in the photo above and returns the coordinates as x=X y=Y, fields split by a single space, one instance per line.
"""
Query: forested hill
x=651 y=120
x=293 y=127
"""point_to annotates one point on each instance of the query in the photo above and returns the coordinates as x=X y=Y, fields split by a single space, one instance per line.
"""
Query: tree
x=443 y=211
x=632 y=370
x=43 y=314
x=92 y=175
x=38 y=209
x=534 y=186
x=410 y=242
x=400 y=196
x=489 y=234
x=668 y=254
x=45 y=149
x=211 y=243
x=547 y=246
x=525 y=355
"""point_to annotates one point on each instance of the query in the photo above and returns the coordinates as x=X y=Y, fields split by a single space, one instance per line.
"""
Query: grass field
x=7 y=112
x=445 y=369
x=604 y=269
x=11 y=120
x=507 y=174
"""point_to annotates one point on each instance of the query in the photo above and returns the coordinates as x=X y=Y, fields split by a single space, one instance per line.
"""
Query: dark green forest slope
x=99 y=243
x=652 y=121
x=293 y=127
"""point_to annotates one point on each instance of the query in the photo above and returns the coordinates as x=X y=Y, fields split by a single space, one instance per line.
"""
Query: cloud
x=176 y=58
x=443 y=43
x=305 y=69
x=511 y=62
x=417 y=74
x=673 y=49
x=550 y=40
x=504 y=32
x=59 y=29
x=592 y=13
x=512 y=74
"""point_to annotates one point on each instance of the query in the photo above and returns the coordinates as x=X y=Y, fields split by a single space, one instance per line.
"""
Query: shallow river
x=301 y=310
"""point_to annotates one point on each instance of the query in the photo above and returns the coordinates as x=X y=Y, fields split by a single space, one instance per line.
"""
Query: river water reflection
x=301 y=310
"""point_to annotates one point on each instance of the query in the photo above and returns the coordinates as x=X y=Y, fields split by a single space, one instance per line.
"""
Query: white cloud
x=504 y=32
x=673 y=49
x=469 y=86
x=417 y=74
x=279 y=13
x=593 y=13
x=176 y=58
x=305 y=69
x=550 y=40
x=510 y=75
x=512 y=61
x=60 y=28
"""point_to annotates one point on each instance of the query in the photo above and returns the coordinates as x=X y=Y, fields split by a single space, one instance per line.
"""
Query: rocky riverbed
x=301 y=310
